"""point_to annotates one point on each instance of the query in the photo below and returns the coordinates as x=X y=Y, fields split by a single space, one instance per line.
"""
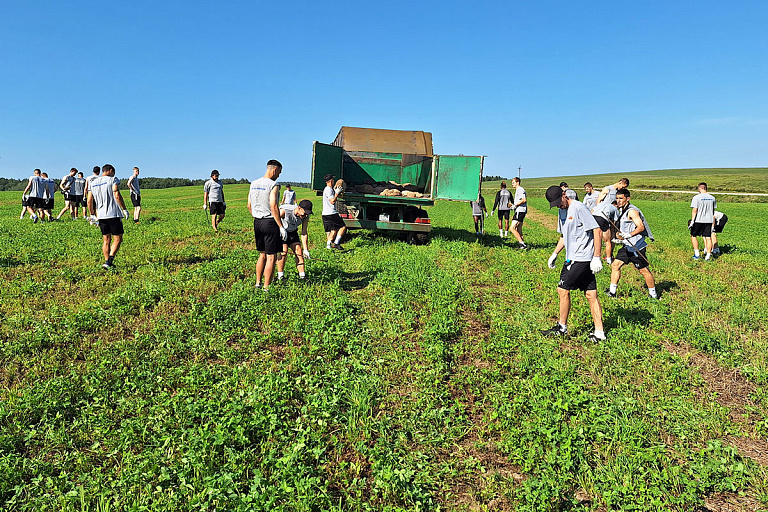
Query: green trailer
x=391 y=175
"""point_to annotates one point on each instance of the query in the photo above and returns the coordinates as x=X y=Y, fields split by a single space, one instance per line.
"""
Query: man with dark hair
x=268 y=230
x=213 y=197
x=289 y=196
x=520 y=207
x=78 y=193
x=106 y=203
x=88 y=180
x=66 y=185
x=133 y=186
x=478 y=210
x=590 y=196
x=333 y=224
x=50 y=194
x=503 y=201
x=606 y=215
x=36 y=188
x=703 y=206
x=295 y=216
x=579 y=235
x=608 y=194
x=632 y=232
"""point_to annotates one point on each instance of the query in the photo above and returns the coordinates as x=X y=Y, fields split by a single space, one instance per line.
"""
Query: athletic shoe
x=707 y=257
x=280 y=279
x=654 y=298
x=554 y=331
x=337 y=246
x=522 y=246
x=696 y=258
x=107 y=266
x=609 y=293
x=595 y=339
x=302 y=278
x=34 y=219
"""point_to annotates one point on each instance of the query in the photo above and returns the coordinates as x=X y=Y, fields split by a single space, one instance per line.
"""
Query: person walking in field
x=580 y=236
x=478 y=210
x=289 y=196
x=213 y=198
x=717 y=227
x=332 y=222
x=520 y=208
x=106 y=203
x=703 y=206
x=608 y=194
x=268 y=230
x=503 y=201
x=50 y=195
x=590 y=196
x=77 y=193
x=606 y=215
x=96 y=171
x=133 y=186
x=295 y=217
x=24 y=205
x=66 y=185
x=34 y=191
x=632 y=232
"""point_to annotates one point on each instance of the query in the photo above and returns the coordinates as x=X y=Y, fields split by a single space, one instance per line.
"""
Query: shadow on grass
x=636 y=316
x=356 y=280
x=7 y=262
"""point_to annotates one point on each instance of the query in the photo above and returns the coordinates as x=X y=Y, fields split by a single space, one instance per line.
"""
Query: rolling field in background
x=398 y=377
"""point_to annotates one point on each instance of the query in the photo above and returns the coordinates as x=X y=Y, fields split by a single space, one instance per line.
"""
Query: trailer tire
x=417 y=238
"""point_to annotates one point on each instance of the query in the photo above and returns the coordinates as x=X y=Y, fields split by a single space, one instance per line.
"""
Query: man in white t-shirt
x=213 y=199
x=289 y=196
x=608 y=194
x=295 y=216
x=520 y=207
x=703 y=207
x=503 y=202
x=268 y=230
x=332 y=222
x=106 y=203
x=66 y=185
x=590 y=196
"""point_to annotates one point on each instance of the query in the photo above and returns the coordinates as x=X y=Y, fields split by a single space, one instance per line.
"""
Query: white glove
x=283 y=234
x=551 y=260
x=595 y=265
x=205 y=206
x=338 y=190
x=624 y=235
x=306 y=254
x=125 y=214
x=93 y=220
x=486 y=215
x=690 y=224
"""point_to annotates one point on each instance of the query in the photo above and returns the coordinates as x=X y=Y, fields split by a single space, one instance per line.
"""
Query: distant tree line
x=145 y=183
x=494 y=178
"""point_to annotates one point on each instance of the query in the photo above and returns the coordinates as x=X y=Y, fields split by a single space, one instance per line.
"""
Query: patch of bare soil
x=548 y=221
x=731 y=502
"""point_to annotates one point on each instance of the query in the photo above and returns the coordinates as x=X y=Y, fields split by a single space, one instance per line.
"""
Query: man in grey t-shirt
x=289 y=196
x=66 y=188
x=106 y=203
x=213 y=198
x=35 y=187
x=268 y=230
x=133 y=186
x=580 y=236
x=295 y=216
x=503 y=202
x=520 y=207
x=703 y=208
x=333 y=224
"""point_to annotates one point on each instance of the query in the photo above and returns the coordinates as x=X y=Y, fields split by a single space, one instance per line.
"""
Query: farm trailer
x=391 y=175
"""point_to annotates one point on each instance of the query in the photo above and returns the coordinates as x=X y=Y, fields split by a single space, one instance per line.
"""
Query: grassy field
x=719 y=180
x=397 y=378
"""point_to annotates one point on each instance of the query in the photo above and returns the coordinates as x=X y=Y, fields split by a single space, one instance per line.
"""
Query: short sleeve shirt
x=37 y=188
x=78 y=187
x=291 y=222
x=576 y=227
x=328 y=207
x=259 y=196
x=505 y=197
x=706 y=205
x=50 y=185
x=590 y=200
x=606 y=211
x=611 y=195
x=289 y=197
x=104 y=197
x=520 y=195
x=215 y=191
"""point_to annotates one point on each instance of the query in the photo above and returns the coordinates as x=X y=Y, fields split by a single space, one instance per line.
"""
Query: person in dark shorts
x=478 y=210
x=580 y=236
x=632 y=232
x=703 y=206
x=268 y=230
x=520 y=207
x=50 y=194
x=606 y=215
x=717 y=227
x=294 y=217
x=77 y=193
x=333 y=224
x=133 y=186
x=34 y=191
x=213 y=198
x=503 y=201
x=66 y=188
x=106 y=203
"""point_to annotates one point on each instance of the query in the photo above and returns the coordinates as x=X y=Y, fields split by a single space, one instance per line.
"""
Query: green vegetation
x=398 y=378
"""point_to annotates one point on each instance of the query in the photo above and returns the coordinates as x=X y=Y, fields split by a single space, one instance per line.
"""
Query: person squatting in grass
x=606 y=215
x=608 y=194
x=520 y=207
x=78 y=194
x=295 y=217
x=632 y=232
x=268 y=230
x=478 y=210
x=332 y=222
x=703 y=206
x=213 y=198
x=717 y=227
x=66 y=188
x=503 y=201
x=580 y=236
x=106 y=203
x=50 y=194
x=133 y=186
x=36 y=188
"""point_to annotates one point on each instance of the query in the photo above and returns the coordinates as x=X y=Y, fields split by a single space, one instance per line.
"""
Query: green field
x=398 y=377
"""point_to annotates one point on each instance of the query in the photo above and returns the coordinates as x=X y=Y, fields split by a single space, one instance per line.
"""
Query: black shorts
x=504 y=214
x=48 y=204
x=602 y=222
x=293 y=238
x=576 y=275
x=76 y=201
x=332 y=222
x=701 y=229
x=626 y=256
x=113 y=226
x=135 y=199
x=267 y=236
x=719 y=225
x=519 y=217
x=66 y=196
x=25 y=201
x=83 y=202
x=37 y=202
x=218 y=208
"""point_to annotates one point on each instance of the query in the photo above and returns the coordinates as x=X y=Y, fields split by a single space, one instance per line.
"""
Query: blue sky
x=182 y=87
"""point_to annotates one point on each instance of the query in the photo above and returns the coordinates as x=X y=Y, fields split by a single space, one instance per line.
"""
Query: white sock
x=652 y=292
x=599 y=334
x=280 y=274
x=328 y=245
x=338 y=239
x=609 y=260
x=501 y=232
x=506 y=233
x=563 y=328
x=302 y=274
x=696 y=253
x=613 y=287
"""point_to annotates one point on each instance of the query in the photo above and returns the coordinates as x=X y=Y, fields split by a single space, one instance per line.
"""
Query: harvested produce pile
x=387 y=188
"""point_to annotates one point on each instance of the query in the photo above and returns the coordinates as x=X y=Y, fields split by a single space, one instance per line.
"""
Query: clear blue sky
x=182 y=87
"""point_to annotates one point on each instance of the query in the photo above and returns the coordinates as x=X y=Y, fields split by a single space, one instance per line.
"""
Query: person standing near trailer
x=503 y=202
x=332 y=222
x=36 y=188
x=213 y=198
x=106 y=203
x=590 y=196
x=133 y=186
x=632 y=232
x=289 y=196
x=580 y=236
x=295 y=217
x=703 y=206
x=608 y=194
x=268 y=230
x=478 y=210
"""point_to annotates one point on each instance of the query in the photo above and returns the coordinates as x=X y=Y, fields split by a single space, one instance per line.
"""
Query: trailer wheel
x=417 y=238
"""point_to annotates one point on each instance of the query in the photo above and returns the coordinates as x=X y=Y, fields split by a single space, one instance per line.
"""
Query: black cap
x=328 y=177
x=214 y=172
x=306 y=205
x=554 y=195
x=563 y=184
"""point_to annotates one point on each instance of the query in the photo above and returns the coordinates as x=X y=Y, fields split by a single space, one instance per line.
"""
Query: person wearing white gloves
x=268 y=230
x=107 y=205
x=580 y=236
x=332 y=222
x=633 y=230
x=295 y=216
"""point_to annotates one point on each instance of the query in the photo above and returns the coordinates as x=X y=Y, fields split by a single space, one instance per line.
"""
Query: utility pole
x=518 y=171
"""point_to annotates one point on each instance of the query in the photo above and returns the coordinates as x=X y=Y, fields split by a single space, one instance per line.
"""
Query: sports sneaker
x=707 y=257
x=337 y=246
x=107 y=266
x=302 y=278
x=34 y=219
x=696 y=258
x=595 y=339
x=280 y=279
x=609 y=293
x=522 y=246
x=554 y=331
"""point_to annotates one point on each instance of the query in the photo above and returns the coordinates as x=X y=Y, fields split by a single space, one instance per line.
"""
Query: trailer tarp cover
x=385 y=141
